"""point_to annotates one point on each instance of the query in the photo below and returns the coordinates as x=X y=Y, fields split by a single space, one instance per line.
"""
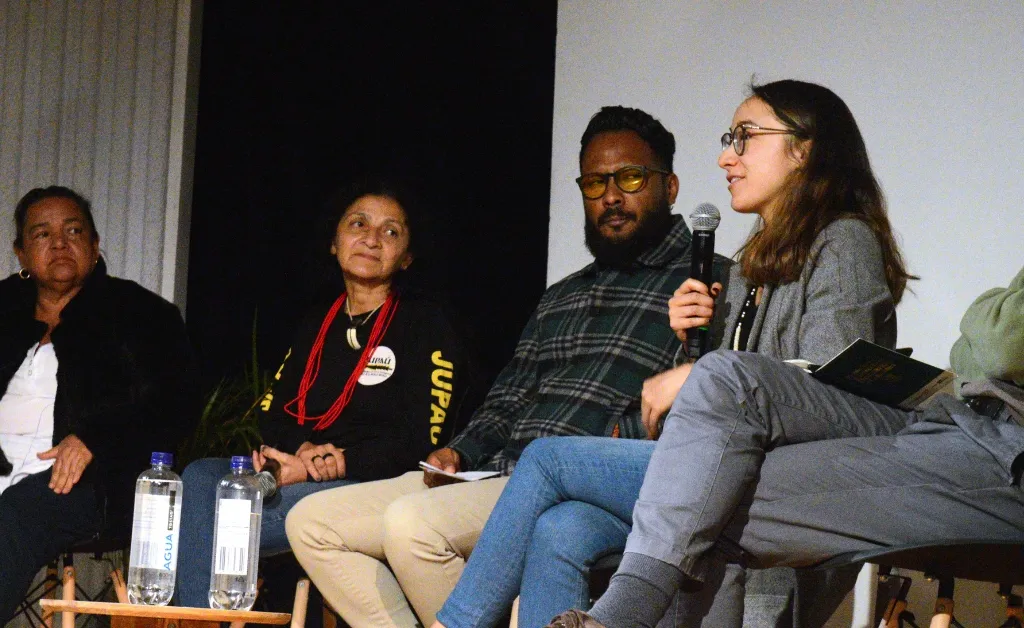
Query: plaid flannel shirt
x=581 y=361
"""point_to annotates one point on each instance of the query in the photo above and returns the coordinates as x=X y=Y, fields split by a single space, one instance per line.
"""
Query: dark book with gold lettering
x=882 y=375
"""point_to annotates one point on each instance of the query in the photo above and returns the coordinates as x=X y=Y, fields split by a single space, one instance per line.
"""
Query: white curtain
x=92 y=96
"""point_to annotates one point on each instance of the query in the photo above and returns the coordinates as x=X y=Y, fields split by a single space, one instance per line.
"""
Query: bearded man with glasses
x=389 y=552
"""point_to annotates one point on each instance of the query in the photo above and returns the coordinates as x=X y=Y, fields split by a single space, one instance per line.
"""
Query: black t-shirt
x=406 y=404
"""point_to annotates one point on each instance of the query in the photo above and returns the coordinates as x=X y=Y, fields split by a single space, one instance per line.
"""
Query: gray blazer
x=841 y=295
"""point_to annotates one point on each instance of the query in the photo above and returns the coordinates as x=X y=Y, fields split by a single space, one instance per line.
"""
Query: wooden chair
x=999 y=562
x=47 y=588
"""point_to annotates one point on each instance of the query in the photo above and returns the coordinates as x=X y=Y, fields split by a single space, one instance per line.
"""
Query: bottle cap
x=241 y=462
x=161 y=457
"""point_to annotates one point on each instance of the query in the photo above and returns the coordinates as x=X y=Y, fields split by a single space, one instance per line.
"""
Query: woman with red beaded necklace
x=357 y=398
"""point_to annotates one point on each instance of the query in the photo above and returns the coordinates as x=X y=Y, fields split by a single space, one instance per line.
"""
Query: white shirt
x=26 y=414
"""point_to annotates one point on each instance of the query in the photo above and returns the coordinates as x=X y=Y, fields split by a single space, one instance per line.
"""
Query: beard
x=650 y=230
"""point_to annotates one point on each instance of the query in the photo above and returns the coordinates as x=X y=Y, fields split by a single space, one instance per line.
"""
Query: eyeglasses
x=629 y=179
x=738 y=137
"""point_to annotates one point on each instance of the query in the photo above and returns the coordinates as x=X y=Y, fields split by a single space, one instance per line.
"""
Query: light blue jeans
x=199 y=506
x=568 y=503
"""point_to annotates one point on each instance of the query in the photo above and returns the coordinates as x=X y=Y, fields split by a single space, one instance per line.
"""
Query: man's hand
x=692 y=305
x=446 y=459
x=292 y=470
x=322 y=462
x=70 y=457
x=658 y=394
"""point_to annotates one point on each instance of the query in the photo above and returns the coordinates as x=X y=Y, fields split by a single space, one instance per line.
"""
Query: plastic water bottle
x=154 y=554
x=236 y=540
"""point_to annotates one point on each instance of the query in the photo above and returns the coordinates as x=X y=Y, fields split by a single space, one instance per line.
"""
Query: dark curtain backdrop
x=296 y=98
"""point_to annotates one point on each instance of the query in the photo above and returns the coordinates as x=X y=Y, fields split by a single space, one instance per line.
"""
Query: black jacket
x=411 y=404
x=124 y=377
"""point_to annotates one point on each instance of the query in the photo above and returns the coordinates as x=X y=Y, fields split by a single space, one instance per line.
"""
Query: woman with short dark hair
x=374 y=381
x=77 y=436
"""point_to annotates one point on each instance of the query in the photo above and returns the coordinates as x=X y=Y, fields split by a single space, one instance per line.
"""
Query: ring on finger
x=317 y=456
x=327 y=455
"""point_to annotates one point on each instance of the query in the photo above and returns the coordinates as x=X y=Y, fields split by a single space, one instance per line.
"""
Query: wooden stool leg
x=1014 y=609
x=120 y=587
x=67 y=618
x=301 y=601
x=328 y=616
x=51 y=592
x=897 y=605
x=943 y=615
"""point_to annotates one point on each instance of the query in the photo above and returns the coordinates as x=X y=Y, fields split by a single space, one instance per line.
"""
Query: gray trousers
x=762 y=464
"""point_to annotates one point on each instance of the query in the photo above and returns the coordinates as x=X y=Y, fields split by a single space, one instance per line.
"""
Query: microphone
x=704 y=220
x=267 y=479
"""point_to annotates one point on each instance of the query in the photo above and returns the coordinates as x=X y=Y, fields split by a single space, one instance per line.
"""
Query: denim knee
x=554 y=533
x=542 y=451
x=205 y=470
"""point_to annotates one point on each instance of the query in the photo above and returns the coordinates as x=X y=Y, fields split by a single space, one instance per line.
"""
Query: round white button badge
x=380 y=367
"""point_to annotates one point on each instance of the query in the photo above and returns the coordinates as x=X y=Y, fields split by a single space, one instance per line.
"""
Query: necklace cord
x=352 y=320
x=312 y=371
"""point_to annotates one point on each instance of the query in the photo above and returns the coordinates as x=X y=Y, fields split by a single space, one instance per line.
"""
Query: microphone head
x=705 y=217
x=267 y=484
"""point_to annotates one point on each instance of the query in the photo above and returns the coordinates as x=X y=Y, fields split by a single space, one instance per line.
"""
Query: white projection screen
x=935 y=86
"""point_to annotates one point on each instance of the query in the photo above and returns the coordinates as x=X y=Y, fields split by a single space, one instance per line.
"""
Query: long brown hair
x=834 y=181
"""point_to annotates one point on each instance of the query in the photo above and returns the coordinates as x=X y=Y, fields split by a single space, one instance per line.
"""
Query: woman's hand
x=292 y=470
x=658 y=394
x=692 y=305
x=322 y=462
x=70 y=457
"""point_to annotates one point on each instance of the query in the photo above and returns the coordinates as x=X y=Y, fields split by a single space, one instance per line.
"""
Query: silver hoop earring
x=24 y=274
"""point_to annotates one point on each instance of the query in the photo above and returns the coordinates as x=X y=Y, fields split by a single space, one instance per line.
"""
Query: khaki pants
x=347 y=538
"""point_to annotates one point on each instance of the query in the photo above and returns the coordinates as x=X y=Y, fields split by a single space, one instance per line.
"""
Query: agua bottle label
x=155 y=532
x=232 y=551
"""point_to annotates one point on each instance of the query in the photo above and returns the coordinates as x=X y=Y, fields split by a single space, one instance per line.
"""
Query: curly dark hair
x=376 y=185
x=650 y=130
x=325 y=280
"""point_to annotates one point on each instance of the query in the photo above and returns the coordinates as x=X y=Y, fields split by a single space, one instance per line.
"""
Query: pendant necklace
x=297 y=407
x=350 y=334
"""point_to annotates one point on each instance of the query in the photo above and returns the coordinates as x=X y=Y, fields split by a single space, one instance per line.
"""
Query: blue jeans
x=555 y=518
x=199 y=506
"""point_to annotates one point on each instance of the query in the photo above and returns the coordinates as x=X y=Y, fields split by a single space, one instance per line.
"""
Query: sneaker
x=575 y=619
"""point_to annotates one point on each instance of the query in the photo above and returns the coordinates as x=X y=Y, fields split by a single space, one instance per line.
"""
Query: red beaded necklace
x=380 y=327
